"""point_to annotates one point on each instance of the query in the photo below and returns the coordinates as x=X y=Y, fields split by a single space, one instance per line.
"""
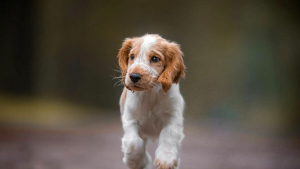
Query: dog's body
x=155 y=110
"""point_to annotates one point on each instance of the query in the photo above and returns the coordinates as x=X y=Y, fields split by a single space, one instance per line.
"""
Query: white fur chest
x=151 y=109
x=147 y=108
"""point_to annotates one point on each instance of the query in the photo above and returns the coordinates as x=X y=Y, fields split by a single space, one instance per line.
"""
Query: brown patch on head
x=135 y=50
x=174 y=66
x=158 y=50
x=124 y=54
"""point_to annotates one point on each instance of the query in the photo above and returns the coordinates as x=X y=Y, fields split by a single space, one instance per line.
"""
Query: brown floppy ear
x=174 y=67
x=123 y=56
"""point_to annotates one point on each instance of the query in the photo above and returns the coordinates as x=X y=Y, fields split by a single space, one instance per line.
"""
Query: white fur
x=152 y=114
x=149 y=40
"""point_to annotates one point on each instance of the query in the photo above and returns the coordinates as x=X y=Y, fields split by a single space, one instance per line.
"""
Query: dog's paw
x=133 y=146
x=160 y=164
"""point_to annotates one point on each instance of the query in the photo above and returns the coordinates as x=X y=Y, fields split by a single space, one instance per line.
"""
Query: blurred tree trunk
x=17 y=39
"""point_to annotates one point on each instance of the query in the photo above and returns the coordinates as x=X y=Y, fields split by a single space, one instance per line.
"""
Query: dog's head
x=148 y=60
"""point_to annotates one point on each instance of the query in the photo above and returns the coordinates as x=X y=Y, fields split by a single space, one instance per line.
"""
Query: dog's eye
x=132 y=56
x=154 y=59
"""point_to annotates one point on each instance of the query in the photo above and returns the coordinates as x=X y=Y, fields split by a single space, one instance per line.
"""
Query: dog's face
x=148 y=60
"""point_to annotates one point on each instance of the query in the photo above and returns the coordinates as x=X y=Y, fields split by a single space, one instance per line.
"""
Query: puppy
x=151 y=104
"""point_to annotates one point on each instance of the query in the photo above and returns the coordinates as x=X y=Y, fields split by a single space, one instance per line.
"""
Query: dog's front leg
x=170 y=138
x=133 y=146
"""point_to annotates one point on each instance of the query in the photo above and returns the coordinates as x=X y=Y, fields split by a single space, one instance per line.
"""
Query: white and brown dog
x=151 y=104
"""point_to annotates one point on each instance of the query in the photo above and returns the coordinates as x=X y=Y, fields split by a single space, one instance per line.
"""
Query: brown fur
x=160 y=165
x=174 y=67
x=124 y=55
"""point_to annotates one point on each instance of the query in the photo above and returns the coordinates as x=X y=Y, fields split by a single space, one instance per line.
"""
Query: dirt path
x=98 y=147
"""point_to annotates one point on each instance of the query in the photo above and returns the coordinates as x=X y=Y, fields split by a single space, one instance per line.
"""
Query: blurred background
x=59 y=102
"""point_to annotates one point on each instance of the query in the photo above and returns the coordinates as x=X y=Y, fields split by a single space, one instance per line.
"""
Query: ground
x=98 y=146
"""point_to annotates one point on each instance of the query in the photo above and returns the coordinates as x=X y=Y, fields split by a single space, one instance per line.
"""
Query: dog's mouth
x=137 y=88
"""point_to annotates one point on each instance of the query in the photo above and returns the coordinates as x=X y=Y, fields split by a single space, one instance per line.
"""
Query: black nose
x=135 y=77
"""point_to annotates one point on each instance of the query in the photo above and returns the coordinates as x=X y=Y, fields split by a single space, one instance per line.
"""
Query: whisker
x=118 y=83
x=119 y=71
x=116 y=77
